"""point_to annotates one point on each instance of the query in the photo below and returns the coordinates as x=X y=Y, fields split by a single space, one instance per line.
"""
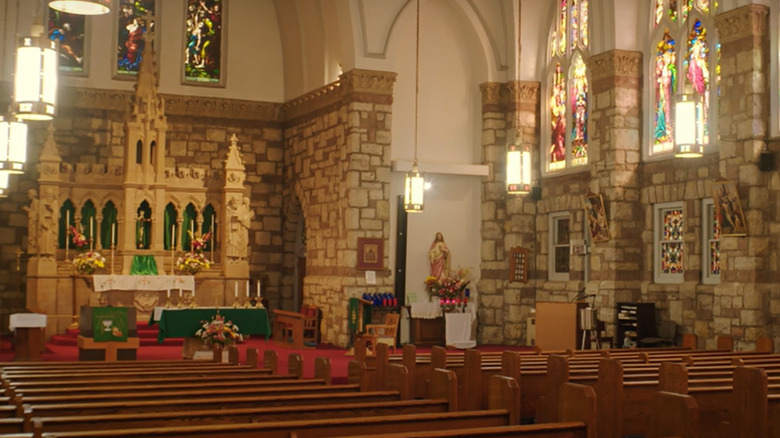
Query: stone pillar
x=508 y=110
x=338 y=163
x=745 y=297
x=615 y=152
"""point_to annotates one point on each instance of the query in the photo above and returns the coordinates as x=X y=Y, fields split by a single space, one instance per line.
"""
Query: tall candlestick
x=67 y=233
x=213 y=235
x=173 y=247
x=91 y=234
x=247 y=288
x=258 y=288
x=113 y=234
x=235 y=289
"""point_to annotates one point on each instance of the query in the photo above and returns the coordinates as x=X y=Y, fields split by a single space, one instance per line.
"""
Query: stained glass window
x=665 y=88
x=558 y=120
x=697 y=69
x=711 y=232
x=568 y=96
x=134 y=20
x=579 y=110
x=685 y=60
x=671 y=242
x=68 y=30
x=203 y=63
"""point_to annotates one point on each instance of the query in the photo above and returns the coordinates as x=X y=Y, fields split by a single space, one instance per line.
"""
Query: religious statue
x=439 y=255
x=240 y=217
x=32 y=222
x=142 y=230
x=47 y=244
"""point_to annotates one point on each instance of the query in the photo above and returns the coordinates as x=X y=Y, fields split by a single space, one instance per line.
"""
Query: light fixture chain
x=416 y=79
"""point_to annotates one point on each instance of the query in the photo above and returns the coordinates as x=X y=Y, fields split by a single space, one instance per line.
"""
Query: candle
x=258 y=288
x=235 y=289
x=193 y=291
x=91 y=233
x=169 y=294
x=173 y=236
x=67 y=231
x=247 y=288
x=179 y=292
x=113 y=237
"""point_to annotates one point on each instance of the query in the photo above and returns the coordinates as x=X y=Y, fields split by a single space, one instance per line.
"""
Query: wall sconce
x=82 y=7
x=518 y=170
x=13 y=146
x=688 y=127
x=35 y=79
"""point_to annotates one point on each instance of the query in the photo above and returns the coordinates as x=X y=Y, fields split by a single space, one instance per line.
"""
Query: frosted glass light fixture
x=82 y=7
x=13 y=146
x=518 y=170
x=35 y=79
x=414 y=182
x=688 y=127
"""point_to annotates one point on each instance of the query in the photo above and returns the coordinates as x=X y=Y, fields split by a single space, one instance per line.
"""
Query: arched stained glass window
x=568 y=98
x=685 y=60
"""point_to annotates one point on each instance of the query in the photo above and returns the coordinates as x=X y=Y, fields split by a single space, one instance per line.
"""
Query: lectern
x=29 y=334
x=558 y=325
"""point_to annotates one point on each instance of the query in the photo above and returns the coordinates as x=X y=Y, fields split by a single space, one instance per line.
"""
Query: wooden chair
x=384 y=333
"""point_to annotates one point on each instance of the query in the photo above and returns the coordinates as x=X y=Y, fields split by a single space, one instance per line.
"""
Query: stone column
x=615 y=151
x=745 y=298
x=508 y=111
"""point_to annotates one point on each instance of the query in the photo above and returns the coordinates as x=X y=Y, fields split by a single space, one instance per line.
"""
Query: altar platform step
x=147 y=337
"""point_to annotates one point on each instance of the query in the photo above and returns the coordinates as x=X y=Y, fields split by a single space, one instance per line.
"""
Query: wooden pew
x=674 y=415
x=326 y=409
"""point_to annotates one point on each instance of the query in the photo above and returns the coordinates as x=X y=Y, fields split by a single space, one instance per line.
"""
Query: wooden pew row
x=409 y=425
x=353 y=420
x=324 y=409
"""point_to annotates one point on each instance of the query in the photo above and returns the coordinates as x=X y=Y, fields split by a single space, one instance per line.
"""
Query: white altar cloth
x=426 y=310
x=26 y=320
x=458 y=328
x=143 y=282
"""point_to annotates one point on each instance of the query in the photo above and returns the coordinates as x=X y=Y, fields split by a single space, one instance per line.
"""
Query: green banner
x=109 y=324
x=143 y=265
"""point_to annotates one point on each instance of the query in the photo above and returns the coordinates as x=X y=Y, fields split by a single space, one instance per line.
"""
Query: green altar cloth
x=183 y=323
x=143 y=265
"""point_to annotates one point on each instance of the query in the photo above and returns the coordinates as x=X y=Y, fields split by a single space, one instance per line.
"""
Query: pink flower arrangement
x=198 y=244
x=218 y=332
x=79 y=239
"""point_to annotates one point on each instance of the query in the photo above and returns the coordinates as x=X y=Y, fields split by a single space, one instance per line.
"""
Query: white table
x=459 y=329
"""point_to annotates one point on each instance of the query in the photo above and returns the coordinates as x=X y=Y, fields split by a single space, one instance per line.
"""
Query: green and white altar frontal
x=103 y=283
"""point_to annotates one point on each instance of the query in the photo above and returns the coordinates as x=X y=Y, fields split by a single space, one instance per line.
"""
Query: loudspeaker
x=766 y=161
x=536 y=193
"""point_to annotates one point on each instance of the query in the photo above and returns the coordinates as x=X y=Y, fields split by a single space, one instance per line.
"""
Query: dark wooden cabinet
x=427 y=332
x=634 y=321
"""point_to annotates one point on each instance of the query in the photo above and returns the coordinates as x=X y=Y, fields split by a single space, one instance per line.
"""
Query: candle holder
x=168 y=303
x=236 y=304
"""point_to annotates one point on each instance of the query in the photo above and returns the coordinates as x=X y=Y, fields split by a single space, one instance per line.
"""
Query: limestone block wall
x=337 y=157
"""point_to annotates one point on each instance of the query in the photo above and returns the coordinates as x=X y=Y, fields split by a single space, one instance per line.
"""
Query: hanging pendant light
x=414 y=182
x=518 y=155
x=13 y=146
x=35 y=79
x=518 y=170
x=688 y=127
x=82 y=7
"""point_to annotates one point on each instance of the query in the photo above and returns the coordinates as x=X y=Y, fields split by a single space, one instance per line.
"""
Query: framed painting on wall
x=370 y=255
x=69 y=30
x=728 y=208
x=596 y=214
x=204 y=42
x=135 y=20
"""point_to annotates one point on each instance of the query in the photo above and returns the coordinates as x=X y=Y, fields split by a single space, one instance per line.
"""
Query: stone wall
x=337 y=155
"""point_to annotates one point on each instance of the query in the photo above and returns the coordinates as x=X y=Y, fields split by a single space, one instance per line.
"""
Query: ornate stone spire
x=50 y=158
x=146 y=85
x=234 y=166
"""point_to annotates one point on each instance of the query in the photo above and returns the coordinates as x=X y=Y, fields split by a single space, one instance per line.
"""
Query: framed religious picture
x=728 y=208
x=370 y=254
x=69 y=30
x=204 y=42
x=596 y=214
x=135 y=22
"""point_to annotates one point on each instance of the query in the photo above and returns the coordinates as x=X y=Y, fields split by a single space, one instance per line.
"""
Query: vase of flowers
x=86 y=262
x=218 y=332
x=194 y=260
x=450 y=291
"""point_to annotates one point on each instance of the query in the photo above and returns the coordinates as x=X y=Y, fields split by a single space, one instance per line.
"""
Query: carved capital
x=491 y=93
x=367 y=81
x=616 y=63
x=744 y=22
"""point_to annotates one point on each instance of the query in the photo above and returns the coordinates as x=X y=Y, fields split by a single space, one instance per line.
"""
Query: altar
x=183 y=323
x=143 y=292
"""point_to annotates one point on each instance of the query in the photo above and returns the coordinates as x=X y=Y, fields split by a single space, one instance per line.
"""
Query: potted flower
x=194 y=260
x=449 y=291
x=85 y=262
x=218 y=332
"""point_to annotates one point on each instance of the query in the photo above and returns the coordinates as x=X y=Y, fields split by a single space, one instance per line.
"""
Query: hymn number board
x=518 y=264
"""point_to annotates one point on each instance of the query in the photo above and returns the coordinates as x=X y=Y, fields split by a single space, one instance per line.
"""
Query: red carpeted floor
x=61 y=350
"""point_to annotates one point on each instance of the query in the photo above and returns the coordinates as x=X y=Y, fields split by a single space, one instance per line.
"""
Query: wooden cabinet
x=634 y=321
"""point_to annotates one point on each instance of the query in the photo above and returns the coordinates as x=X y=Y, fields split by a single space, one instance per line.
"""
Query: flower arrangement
x=450 y=290
x=218 y=332
x=194 y=260
x=86 y=262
